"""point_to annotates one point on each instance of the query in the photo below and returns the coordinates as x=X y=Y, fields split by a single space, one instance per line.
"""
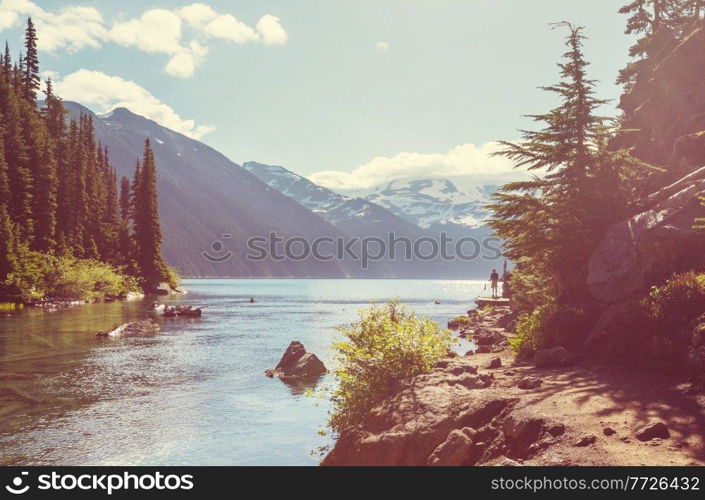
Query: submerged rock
x=297 y=363
x=143 y=327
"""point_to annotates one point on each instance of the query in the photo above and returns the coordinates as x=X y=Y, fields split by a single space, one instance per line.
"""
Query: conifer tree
x=8 y=257
x=551 y=222
x=148 y=233
x=31 y=63
x=7 y=62
x=125 y=198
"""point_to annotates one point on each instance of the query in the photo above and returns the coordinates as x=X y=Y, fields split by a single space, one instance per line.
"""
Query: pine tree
x=8 y=257
x=125 y=198
x=148 y=234
x=551 y=222
x=31 y=63
x=7 y=62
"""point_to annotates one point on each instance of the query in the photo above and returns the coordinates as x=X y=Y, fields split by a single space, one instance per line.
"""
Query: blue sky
x=383 y=89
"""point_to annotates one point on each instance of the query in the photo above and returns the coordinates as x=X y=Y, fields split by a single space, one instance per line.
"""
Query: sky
x=351 y=93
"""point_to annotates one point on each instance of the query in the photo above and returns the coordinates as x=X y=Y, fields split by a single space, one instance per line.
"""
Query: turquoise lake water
x=195 y=393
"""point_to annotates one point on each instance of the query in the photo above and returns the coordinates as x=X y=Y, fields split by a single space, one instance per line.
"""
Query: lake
x=195 y=393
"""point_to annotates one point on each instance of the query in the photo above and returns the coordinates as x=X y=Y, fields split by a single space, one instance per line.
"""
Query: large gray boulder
x=650 y=246
x=296 y=363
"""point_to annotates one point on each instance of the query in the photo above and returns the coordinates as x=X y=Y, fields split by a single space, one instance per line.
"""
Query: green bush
x=43 y=276
x=173 y=278
x=679 y=300
x=87 y=280
x=387 y=344
x=549 y=325
x=460 y=322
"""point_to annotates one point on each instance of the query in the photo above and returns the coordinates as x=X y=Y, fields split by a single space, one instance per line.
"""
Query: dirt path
x=588 y=400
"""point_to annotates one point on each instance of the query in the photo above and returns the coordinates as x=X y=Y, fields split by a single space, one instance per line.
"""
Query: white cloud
x=183 y=64
x=382 y=46
x=230 y=28
x=72 y=28
x=155 y=31
x=468 y=164
x=102 y=93
x=197 y=14
x=271 y=31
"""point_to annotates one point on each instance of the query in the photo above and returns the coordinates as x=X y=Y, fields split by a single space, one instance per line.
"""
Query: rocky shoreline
x=486 y=408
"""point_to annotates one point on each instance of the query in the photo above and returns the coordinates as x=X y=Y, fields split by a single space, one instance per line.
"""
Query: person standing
x=494 y=279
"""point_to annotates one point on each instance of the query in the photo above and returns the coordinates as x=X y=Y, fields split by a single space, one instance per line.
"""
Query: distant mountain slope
x=354 y=216
x=435 y=203
x=413 y=209
x=203 y=195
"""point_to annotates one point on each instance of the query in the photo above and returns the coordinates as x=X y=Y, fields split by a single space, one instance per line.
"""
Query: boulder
x=495 y=363
x=414 y=425
x=653 y=430
x=455 y=450
x=521 y=431
x=487 y=336
x=554 y=356
x=650 y=246
x=586 y=440
x=133 y=328
x=529 y=383
x=297 y=363
x=556 y=430
x=609 y=431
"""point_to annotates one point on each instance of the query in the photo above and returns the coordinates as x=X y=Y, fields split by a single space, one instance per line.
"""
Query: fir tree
x=125 y=198
x=8 y=257
x=551 y=222
x=7 y=62
x=148 y=233
x=31 y=63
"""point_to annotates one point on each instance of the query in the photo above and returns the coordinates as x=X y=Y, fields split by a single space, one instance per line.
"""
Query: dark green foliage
x=59 y=193
x=660 y=25
x=148 y=233
x=552 y=222
x=31 y=63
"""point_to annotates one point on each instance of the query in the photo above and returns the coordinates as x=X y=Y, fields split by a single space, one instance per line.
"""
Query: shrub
x=87 y=280
x=549 y=325
x=460 y=322
x=173 y=278
x=679 y=300
x=387 y=344
x=43 y=276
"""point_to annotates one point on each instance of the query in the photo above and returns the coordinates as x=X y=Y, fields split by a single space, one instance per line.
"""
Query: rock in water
x=297 y=363
x=143 y=327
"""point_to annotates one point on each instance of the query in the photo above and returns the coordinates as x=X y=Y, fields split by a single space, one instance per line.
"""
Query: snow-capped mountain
x=430 y=203
x=355 y=216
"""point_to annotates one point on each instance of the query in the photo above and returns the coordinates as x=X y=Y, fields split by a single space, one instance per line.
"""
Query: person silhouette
x=494 y=279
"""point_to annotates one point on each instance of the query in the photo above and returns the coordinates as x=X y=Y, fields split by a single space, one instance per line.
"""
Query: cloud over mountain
x=468 y=164
x=105 y=92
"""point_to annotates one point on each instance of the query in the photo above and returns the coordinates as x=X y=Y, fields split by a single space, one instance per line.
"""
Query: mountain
x=415 y=210
x=435 y=204
x=354 y=216
x=203 y=196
